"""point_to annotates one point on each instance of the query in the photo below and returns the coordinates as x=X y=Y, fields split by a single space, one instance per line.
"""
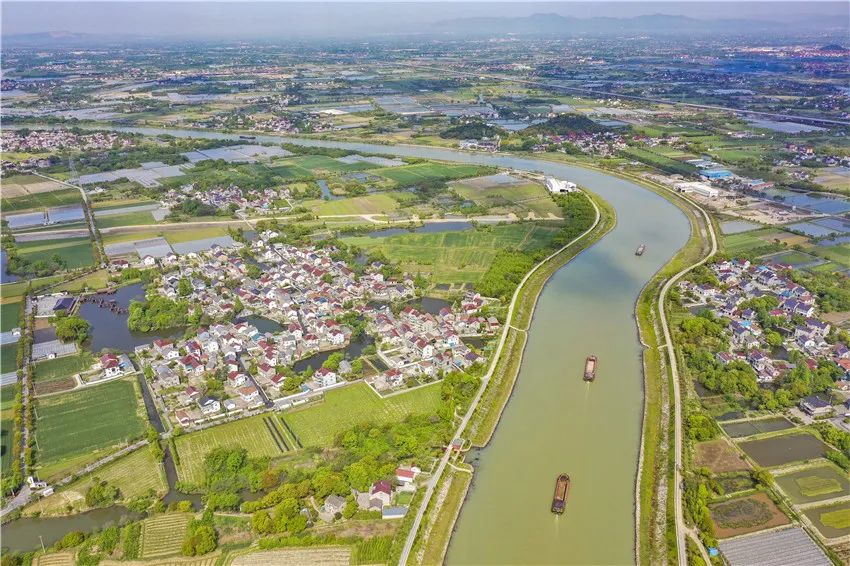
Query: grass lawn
x=380 y=203
x=10 y=316
x=87 y=420
x=128 y=219
x=8 y=358
x=459 y=256
x=162 y=535
x=41 y=200
x=251 y=433
x=77 y=252
x=356 y=404
x=65 y=366
x=408 y=175
x=134 y=474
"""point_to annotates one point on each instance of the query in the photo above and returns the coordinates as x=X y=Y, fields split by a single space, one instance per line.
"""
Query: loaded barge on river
x=590 y=368
x=562 y=491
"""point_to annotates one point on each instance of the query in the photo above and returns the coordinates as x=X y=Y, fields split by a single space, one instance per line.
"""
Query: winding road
x=681 y=526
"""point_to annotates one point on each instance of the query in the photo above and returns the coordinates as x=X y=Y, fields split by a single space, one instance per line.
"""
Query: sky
x=305 y=19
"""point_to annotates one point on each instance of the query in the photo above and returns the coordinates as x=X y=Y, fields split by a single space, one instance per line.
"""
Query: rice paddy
x=162 y=535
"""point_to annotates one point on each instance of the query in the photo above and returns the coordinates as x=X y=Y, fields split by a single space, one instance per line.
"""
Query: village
x=795 y=316
x=230 y=197
x=305 y=300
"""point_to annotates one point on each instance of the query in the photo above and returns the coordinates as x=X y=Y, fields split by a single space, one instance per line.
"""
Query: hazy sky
x=264 y=19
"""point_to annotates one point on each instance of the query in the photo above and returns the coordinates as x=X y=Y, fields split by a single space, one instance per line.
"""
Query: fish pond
x=785 y=449
x=749 y=428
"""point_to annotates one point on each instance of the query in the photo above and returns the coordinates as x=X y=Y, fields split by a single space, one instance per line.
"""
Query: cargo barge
x=247 y=137
x=641 y=249
x=590 y=368
x=562 y=491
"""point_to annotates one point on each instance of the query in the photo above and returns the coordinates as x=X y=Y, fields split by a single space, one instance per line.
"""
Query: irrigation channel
x=555 y=422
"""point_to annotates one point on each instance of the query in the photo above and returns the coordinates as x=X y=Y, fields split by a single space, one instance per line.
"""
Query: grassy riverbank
x=443 y=511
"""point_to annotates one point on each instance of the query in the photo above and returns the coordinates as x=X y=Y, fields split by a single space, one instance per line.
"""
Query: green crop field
x=8 y=358
x=839 y=254
x=459 y=256
x=7 y=435
x=252 y=434
x=812 y=486
x=86 y=420
x=520 y=198
x=660 y=161
x=41 y=200
x=10 y=316
x=747 y=241
x=163 y=535
x=839 y=519
x=356 y=404
x=128 y=219
x=77 y=252
x=134 y=475
x=56 y=368
x=380 y=203
x=177 y=235
x=407 y=175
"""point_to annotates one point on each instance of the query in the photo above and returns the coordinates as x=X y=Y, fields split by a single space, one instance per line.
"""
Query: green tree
x=72 y=329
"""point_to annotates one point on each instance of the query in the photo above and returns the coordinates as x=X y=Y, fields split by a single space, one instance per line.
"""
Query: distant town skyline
x=314 y=19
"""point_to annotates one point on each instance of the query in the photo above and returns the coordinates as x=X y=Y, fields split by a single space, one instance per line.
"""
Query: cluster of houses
x=416 y=344
x=305 y=292
x=49 y=140
x=382 y=496
x=248 y=200
x=603 y=144
x=799 y=327
x=797 y=154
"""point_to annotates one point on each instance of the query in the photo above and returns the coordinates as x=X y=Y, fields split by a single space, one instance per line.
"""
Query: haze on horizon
x=250 y=20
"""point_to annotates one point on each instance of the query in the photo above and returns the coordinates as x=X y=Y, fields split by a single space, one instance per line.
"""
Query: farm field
x=85 y=421
x=49 y=370
x=832 y=521
x=408 y=175
x=23 y=185
x=7 y=435
x=128 y=219
x=178 y=235
x=746 y=515
x=94 y=280
x=8 y=358
x=747 y=241
x=380 y=203
x=781 y=450
x=521 y=198
x=77 y=252
x=814 y=484
x=10 y=316
x=65 y=558
x=41 y=200
x=456 y=257
x=134 y=474
x=356 y=404
x=719 y=457
x=251 y=433
x=162 y=535
x=749 y=428
x=326 y=556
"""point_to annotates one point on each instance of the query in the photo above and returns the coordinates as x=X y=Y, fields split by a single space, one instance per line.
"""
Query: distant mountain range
x=656 y=24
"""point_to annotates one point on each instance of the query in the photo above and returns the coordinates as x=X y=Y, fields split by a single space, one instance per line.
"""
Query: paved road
x=681 y=527
x=435 y=479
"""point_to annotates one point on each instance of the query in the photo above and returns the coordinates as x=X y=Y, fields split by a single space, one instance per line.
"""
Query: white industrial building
x=699 y=188
x=558 y=186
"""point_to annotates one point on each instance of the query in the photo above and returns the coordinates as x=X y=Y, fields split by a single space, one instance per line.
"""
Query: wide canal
x=555 y=422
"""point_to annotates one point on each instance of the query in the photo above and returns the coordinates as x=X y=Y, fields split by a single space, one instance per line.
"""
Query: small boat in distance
x=641 y=249
x=590 y=368
x=562 y=491
x=247 y=137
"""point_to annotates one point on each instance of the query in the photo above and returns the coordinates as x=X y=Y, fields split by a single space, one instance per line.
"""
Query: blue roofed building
x=713 y=174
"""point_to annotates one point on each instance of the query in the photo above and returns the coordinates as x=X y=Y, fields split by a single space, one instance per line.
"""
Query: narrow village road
x=681 y=528
x=435 y=479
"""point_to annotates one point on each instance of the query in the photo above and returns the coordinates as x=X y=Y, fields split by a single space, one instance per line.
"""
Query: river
x=554 y=421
